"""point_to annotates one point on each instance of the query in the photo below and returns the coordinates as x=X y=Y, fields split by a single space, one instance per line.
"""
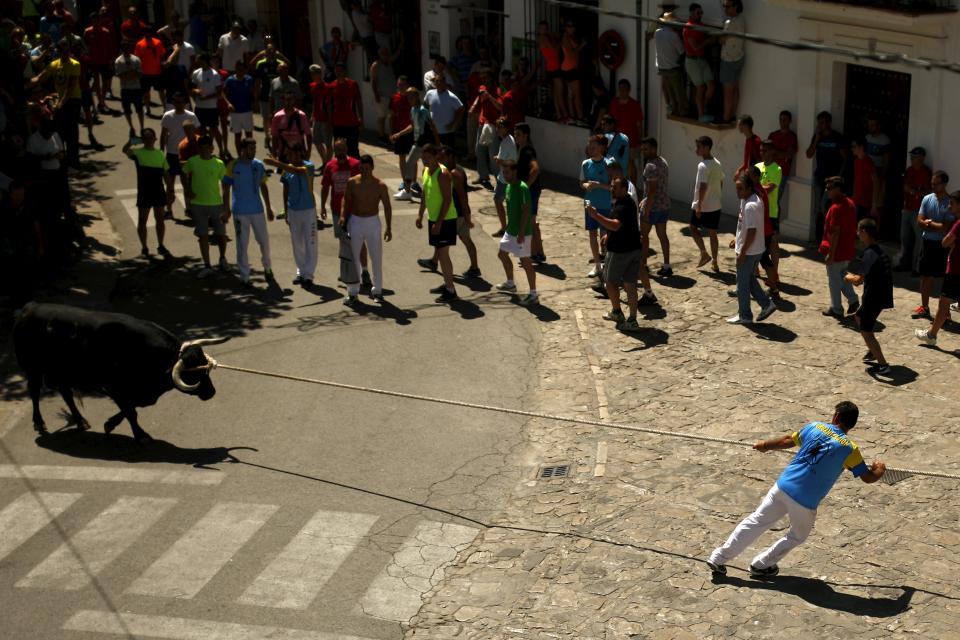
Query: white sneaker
x=404 y=195
x=924 y=336
x=507 y=286
x=955 y=307
x=593 y=273
x=767 y=312
x=738 y=320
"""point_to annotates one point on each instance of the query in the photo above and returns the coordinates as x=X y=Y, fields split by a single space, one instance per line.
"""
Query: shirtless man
x=360 y=217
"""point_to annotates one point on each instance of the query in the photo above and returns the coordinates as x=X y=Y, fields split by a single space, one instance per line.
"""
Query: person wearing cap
x=320 y=114
x=233 y=47
x=916 y=185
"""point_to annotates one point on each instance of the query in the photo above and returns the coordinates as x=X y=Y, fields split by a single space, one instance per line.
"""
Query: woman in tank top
x=571 y=45
x=549 y=44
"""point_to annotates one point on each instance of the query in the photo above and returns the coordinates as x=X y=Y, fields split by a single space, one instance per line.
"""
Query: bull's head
x=191 y=373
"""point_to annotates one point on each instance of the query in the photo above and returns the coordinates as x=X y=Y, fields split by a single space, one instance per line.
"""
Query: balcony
x=899 y=14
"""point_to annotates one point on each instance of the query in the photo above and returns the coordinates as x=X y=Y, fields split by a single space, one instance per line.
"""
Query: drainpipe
x=644 y=54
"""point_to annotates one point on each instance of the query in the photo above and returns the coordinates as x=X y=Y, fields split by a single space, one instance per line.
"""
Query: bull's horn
x=177 y=382
x=201 y=342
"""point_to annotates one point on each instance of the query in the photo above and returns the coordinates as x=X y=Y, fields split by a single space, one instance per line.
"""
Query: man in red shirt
x=839 y=246
x=752 y=145
x=336 y=173
x=785 y=142
x=346 y=108
x=400 y=120
x=320 y=117
x=133 y=28
x=102 y=49
x=151 y=52
x=514 y=101
x=916 y=184
x=629 y=116
x=698 y=69
x=865 y=182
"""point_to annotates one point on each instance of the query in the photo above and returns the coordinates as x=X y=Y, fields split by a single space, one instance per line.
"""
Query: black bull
x=131 y=361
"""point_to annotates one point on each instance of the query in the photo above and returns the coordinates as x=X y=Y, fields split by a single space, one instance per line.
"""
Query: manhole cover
x=549 y=472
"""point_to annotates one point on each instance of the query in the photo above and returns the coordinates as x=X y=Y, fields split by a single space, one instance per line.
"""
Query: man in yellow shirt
x=64 y=73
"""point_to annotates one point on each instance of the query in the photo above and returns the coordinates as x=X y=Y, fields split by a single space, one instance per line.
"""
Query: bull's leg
x=112 y=422
x=131 y=415
x=78 y=420
x=35 y=385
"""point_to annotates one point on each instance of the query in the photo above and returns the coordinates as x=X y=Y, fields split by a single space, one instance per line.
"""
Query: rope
x=898 y=473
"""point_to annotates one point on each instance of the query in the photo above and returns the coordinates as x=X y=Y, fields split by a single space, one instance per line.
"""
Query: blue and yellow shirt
x=246 y=179
x=824 y=452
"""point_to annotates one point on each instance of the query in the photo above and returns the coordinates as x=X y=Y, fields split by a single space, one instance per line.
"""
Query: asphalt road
x=277 y=503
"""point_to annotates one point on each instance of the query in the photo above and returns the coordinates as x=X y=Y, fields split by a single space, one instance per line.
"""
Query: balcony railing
x=909 y=7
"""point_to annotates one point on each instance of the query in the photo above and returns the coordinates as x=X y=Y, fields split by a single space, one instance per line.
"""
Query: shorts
x=509 y=244
x=730 y=71
x=553 y=75
x=447 y=236
x=206 y=216
x=241 y=122
x=867 y=315
x=403 y=145
x=105 y=71
x=534 y=201
x=383 y=107
x=951 y=287
x=150 y=197
x=500 y=191
x=619 y=268
x=322 y=133
x=590 y=224
x=658 y=217
x=933 y=259
x=766 y=260
x=173 y=160
x=698 y=69
x=151 y=82
x=570 y=75
x=463 y=228
x=131 y=98
x=707 y=220
x=209 y=118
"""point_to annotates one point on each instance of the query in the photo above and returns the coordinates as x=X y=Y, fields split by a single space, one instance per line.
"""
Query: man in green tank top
x=437 y=201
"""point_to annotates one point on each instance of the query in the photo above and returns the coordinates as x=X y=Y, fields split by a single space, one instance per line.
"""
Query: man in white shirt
x=233 y=47
x=171 y=135
x=707 y=198
x=669 y=49
x=439 y=69
x=207 y=85
x=446 y=110
x=749 y=245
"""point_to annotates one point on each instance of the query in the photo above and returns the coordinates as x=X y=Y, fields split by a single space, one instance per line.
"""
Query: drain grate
x=550 y=472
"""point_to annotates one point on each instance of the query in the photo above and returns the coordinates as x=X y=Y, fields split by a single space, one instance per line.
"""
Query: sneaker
x=882 y=369
x=427 y=263
x=592 y=273
x=732 y=293
x=615 y=316
x=350 y=301
x=738 y=320
x=472 y=272
x=509 y=287
x=306 y=283
x=223 y=264
x=439 y=289
x=297 y=280
x=499 y=233
x=718 y=569
x=144 y=252
x=647 y=299
x=539 y=258
x=168 y=214
x=704 y=259
x=769 y=572
x=282 y=215
x=205 y=273
x=246 y=283
x=767 y=312
x=365 y=279
x=529 y=300
x=665 y=272
x=920 y=312
x=416 y=188
x=924 y=336
x=162 y=250
x=377 y=297
x=447 y=296
x=853 y=307
x=268 y=275
x=869 y=357
x=599 y=288
x=628 y=325
x=831 y=312
x=403 y=194
x=955 y=307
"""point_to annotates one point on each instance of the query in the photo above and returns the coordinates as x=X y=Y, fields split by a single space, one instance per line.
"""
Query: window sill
x=706 y=125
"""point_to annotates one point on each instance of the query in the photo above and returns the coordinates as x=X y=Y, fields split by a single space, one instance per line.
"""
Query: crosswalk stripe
x=396 y=593
x=111 y=474
x=29 y=513
x=147 y=626
x=196 y=557
x=129 y=201
x=72 y=566
x=297 y=574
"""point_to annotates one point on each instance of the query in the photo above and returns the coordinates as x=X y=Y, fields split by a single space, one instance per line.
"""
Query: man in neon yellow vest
x=437 y=201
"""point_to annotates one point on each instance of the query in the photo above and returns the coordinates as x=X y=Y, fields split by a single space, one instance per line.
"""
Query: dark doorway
x=885 y=95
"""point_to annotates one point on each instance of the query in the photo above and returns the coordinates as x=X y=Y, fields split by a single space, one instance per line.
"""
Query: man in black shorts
x=437 y=201
x=705 y=209
x=877 y=279
x=950 y=291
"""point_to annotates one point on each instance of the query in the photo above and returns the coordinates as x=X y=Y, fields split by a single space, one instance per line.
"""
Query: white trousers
x=366 y=230
x=775 y=505
x=243 y=224
x=303 y=235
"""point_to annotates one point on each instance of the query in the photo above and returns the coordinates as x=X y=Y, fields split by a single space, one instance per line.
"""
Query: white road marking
x=296 y=575
x=111 y=474
x=128 y=198
x=601 y=460
x=13 y=411
x=203 y=551
x=29 y=513
x=98 y=544
x=397 y=592
x=145 y=626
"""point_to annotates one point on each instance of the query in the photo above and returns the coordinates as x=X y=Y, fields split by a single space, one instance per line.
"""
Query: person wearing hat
x=669 y=50
x=916 y=185
x=233 y=47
